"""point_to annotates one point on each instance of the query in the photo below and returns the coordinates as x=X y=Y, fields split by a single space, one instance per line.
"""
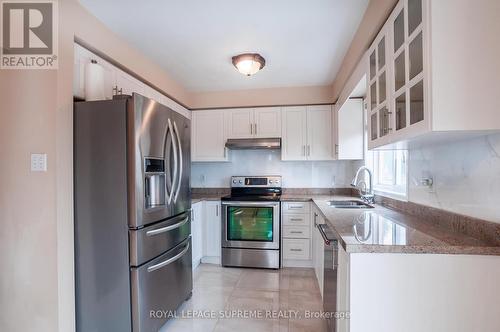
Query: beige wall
x=375 y=16
x=28 y=277
x=262 y=97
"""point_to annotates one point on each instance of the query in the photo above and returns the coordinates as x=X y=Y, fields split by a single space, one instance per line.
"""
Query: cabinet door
x=350 y=130
x=267 y=122
x=319 y=133
x=240 y=123
x=379 y=108
x=197 y=232
x=294 y=128
x=127 y=84
x=212 y=229
x=208 y=141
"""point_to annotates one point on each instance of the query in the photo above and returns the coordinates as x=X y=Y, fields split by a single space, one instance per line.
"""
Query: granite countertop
x=195 y=198
x=383 y=230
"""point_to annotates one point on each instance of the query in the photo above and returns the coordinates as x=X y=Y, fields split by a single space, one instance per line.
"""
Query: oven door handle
x=242 y=203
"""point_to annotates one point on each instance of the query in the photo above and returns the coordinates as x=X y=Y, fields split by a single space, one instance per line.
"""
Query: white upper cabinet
x=253 y=122
x=435 y=75
x=319 y=133
x=307 y=133
x=294 y=133
x=115 y=81
x=207 y=136
x=239 y=123
x=350 y=130
x=267 y=122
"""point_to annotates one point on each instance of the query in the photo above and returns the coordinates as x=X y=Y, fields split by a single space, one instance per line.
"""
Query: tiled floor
x=224 y=295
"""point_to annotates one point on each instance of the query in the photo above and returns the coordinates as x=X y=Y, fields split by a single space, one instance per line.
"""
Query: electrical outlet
x=39 y=162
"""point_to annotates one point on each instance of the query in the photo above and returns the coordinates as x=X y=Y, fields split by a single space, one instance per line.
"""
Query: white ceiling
x=303 y=41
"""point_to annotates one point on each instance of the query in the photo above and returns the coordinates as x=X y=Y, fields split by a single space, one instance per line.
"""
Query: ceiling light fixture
x=248 y=63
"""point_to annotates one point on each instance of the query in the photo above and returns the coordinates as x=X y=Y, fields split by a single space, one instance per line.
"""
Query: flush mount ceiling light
x=249 y=63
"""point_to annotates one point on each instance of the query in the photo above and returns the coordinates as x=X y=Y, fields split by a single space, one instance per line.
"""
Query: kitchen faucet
x=365 y=193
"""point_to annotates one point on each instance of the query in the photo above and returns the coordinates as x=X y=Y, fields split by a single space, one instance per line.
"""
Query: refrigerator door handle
x=174 y=178
x=179 y=145
x=168 y=261
x=167 y=228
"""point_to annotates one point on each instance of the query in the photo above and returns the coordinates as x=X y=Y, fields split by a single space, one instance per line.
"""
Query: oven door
x=250 y=225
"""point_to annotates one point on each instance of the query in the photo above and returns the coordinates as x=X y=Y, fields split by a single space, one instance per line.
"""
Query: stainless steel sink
x=352 y=204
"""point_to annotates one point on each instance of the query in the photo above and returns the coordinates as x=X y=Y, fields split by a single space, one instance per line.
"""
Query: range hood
x=253 y=143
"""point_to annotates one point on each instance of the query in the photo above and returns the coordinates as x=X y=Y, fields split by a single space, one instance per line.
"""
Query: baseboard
x=297 y=263
x=211 y=260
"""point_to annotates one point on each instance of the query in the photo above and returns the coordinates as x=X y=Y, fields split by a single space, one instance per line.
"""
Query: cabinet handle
x=336 y=149
x=251 y=129
x=308 y=150
x=295 y=219
x=295 y=207
x=295 y=249
x=217 y=211
x=255 y=128
x=296 y=232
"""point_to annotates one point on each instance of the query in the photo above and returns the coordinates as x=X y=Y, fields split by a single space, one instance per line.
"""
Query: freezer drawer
x=149 y=242
x=162 y=284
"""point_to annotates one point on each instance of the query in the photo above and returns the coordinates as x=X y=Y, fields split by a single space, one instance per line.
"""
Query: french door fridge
x=132 y=213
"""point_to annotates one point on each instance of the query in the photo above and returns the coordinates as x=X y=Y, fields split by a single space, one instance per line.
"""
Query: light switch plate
x=39 y=162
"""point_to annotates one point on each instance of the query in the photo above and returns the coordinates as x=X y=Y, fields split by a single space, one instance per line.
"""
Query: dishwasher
x=330 y=276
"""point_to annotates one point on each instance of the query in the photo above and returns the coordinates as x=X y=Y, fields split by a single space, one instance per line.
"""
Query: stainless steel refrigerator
x=132 y=213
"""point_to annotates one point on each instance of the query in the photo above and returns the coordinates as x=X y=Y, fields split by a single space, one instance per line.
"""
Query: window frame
x=395 y=191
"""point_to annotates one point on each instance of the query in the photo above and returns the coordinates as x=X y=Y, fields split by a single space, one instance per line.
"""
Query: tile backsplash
x=466 y=176
x=296 y=174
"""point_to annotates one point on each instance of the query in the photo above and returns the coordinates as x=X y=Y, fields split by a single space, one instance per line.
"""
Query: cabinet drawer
x=296 y=219
x=297 y=232
x=296 y=207
x=296 y=249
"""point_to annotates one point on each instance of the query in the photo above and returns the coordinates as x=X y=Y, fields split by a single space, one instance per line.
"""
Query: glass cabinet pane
x=383 y=121
x=417 y=103
x=373 y=70
x=381 y=88
x=373 y=96
x=399 y=30
x=414 y=15
x=401 y=111
x=416 y=56
x=381 y=53
x=399 y=71
x=373 y=126
x=250 y=224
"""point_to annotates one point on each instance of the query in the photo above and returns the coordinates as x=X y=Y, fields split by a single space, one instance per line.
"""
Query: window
x=389 y=169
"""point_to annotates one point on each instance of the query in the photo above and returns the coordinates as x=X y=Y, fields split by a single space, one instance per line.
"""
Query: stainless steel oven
x=251 y=223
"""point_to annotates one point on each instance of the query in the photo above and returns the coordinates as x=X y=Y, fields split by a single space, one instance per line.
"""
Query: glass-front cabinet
x=378 y=87
x=397 y=84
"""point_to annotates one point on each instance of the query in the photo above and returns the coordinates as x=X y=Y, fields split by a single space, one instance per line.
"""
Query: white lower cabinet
x=296 y=234
x=296 y=249
x=212 y=233
x=197 y=233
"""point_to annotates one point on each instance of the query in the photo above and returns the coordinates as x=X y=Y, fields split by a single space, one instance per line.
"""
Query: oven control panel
x=255 y=181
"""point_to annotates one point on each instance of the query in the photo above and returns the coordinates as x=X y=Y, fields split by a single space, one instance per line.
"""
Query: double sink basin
x=350 y=204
